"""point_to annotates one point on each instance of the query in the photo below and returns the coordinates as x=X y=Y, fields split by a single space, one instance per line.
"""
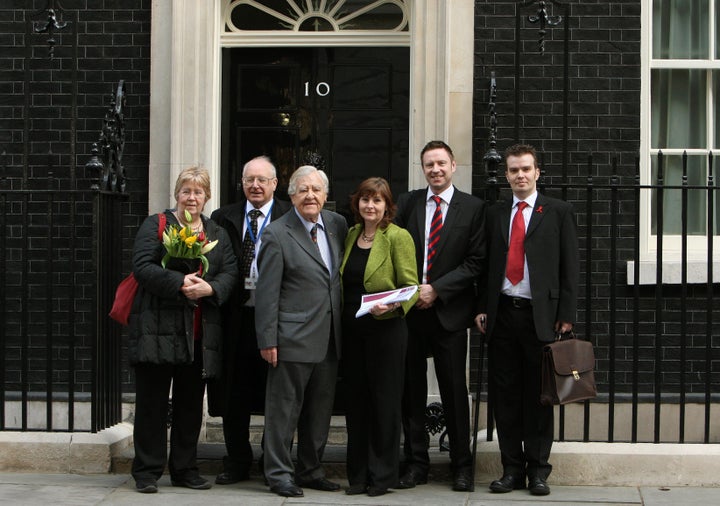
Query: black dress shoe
x=146 y=486
x=287 y=489
x=374 y=491
x=411 y=478
x=228 y=478
x=356 y=489
x=195 y=483
x=321 y=484
x=508 y=483
x=463 y=481
x=538 y=486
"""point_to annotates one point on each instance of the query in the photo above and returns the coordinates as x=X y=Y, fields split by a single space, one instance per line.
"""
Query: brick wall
x=38 y=136
x=51 y=111
x=604 y=82
x=603 y=120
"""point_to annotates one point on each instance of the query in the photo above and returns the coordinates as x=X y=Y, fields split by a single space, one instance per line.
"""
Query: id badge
x=251 y=280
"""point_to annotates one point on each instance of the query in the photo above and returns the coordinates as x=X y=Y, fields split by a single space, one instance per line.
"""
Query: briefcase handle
x=564 y=336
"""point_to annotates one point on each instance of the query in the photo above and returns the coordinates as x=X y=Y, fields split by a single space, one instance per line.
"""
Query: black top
x=353 y=276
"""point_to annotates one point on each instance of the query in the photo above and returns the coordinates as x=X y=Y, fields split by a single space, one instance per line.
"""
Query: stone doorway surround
x=185 y=88
x=186 y=41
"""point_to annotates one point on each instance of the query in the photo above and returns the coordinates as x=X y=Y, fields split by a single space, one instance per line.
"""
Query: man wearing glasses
x=242 y=386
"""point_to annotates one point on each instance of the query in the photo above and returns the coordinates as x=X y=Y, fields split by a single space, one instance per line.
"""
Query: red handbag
x=126 y=290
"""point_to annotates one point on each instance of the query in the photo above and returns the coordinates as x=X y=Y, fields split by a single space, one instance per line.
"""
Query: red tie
x=516 y=254
x=434 y=236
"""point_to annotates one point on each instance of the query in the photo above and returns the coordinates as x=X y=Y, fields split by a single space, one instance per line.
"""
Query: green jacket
x=391 y=263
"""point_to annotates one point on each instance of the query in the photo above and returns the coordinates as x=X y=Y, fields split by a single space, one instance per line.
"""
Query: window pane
x=680 y=29
x=316 y=16
x=672 y=197
x=678 y=109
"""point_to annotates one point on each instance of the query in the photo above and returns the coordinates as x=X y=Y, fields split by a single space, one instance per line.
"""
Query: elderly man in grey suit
x=298 y=332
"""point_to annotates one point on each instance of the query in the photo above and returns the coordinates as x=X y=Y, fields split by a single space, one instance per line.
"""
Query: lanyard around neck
x=260 y=231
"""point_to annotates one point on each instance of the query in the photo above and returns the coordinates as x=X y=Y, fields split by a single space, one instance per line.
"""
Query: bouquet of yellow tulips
x=184 y=242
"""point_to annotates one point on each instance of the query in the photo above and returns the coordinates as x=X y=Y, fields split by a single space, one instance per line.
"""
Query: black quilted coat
x=161 y=321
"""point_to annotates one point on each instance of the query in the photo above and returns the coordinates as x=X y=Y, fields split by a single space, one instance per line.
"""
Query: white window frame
x=672 y=244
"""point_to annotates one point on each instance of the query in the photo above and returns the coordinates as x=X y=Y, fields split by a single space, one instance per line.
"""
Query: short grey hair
x=264 y=159
x=303 y=171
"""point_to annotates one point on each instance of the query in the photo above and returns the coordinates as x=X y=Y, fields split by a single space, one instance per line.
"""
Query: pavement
x=119 y=489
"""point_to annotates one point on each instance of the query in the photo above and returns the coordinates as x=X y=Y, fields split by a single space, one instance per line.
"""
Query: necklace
x=366 y=238
x=196 y=228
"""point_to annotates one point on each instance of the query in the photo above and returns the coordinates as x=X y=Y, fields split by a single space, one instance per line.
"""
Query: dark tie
x=515 y=268
x=313 y=234
x=248 y=251
x=434 y=236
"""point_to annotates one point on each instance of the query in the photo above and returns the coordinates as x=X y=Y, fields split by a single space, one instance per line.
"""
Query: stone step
x=214 y=431
x=211 y=449
x=210 y=461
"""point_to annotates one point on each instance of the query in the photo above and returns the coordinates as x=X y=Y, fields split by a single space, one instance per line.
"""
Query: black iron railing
x=59 y=266
x=653 y=339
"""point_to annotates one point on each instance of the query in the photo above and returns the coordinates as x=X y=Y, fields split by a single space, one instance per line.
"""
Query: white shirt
x=322 y=240
x=264 y=212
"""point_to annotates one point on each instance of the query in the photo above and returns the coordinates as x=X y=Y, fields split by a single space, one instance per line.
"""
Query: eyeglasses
x=262 y=181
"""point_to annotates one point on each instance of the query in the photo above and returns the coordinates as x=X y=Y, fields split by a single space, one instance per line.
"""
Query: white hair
x=304 y=171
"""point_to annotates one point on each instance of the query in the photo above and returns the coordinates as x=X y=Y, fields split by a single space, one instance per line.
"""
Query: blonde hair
x=197 y=175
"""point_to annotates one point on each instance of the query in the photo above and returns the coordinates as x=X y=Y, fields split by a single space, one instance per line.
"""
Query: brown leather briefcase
x=567 y=372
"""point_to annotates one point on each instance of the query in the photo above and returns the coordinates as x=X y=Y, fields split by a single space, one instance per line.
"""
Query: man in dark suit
x=531 y=295
x=447 y=226
x=298 y=332
x=242 y=386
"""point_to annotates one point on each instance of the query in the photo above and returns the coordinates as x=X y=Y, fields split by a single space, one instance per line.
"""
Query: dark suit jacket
x=232 y=219
x=460 y=254
x=298 y=300
x=551 y=250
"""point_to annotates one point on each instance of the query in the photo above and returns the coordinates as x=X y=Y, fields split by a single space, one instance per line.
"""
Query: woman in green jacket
x=379 y=256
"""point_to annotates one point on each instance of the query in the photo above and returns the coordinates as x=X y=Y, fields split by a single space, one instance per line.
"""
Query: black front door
x=343 y=108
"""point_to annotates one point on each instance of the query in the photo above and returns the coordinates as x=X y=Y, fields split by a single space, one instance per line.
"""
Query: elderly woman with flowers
x=175 y=334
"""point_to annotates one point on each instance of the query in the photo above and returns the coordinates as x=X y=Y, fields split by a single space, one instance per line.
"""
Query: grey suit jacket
x=297 y=300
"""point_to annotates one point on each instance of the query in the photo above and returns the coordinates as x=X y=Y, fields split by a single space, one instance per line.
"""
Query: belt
x=516 y=302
